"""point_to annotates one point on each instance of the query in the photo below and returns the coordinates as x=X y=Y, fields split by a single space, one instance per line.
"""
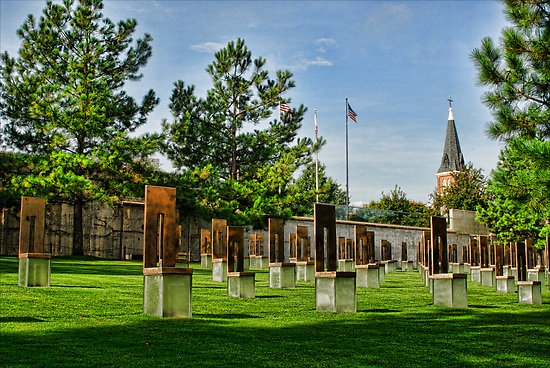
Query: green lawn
x=91 y=316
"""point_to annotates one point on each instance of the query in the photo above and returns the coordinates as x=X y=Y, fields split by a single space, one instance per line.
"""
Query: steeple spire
x=452 y=159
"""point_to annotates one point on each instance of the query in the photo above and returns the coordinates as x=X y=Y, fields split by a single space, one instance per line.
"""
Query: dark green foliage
x=249 y=159
x=65 y=107
x=466 y=192
x=395 y=208
x=305 y=195
x=517 y=74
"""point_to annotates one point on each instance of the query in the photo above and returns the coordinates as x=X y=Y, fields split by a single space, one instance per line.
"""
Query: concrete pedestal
x=34 y=269
x=167 y=291
x=457 y=268
x=536 y=275
x=425 y=275
x=206 y=260
x=475 y=274
x=450 y=290
x=246 y=263
x=241 y=284
x=305 y=271
x=261 y=262
x=346 y=265
x=514 y=271
x=367 y=276
x=219 y=270
x=529 y=292
x=467 y=268
x=406 y=266
x=282 y=275
x=487 y=277
x=506 y=284
x=381 y=272
x=335 y=292
x=391 y=266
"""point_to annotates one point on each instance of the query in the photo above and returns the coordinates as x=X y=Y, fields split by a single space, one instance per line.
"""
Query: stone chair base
x=219 y=270
x=305 y=271
x=407 y=266
x=206 y=260
x=167 y=292
x=282 y=275
x=34 y=269
x=241 y=284
x=506 y=284
x=367 y=276
x=335 y=292
x=450 y=290
x=487 y=277
x=529 y=292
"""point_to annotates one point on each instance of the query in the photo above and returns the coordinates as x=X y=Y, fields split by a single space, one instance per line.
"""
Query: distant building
x=452 y=160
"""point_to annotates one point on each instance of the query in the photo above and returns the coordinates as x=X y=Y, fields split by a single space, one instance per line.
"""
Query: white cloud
x=208 y=47
x=319 y=61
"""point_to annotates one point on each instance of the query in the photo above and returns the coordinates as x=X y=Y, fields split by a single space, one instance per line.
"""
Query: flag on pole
x=284 y=108
x=352 y=115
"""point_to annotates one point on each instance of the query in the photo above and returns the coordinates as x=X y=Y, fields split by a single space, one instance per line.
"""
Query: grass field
x=91 y=316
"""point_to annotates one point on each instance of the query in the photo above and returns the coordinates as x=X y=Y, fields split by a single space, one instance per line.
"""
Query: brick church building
x=452 y=160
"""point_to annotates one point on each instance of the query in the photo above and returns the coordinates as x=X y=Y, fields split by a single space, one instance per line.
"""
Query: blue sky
x=396 y=61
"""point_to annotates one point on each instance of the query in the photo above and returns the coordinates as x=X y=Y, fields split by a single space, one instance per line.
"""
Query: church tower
x=452 y=160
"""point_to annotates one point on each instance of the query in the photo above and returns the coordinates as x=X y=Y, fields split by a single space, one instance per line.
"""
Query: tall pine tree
x=65 y=105
x=517 y=75
x=230 y=132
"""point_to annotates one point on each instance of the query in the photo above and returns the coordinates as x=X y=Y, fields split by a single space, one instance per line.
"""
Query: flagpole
x=347 y=171
x=316 y=158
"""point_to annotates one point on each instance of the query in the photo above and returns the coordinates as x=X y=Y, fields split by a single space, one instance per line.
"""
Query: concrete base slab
x=219 y=270
x=282 y=275
x=457 y=267
x=335 y=292
x=382 y=272
x=167 y=292
x=450 y=290
x=506 y=284
x=529 y=292
x=367 y=276
x=34 y=269
x=305 y=271
x=345 y=265
x=536 y=275
x=487 y=277
x=241 y=284
x=261 y=262
x=206 y=260
x=407 y=266
x=475 y=273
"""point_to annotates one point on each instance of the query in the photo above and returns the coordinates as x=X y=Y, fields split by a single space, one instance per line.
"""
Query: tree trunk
x=78 y=234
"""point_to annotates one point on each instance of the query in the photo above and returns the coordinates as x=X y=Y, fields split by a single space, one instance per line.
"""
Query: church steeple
x=452 y=160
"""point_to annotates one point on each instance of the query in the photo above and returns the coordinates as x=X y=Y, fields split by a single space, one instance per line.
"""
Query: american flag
x=284 y=107
x=352 y=115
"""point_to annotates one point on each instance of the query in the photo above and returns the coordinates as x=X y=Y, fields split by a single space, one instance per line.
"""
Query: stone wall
x=464 y=222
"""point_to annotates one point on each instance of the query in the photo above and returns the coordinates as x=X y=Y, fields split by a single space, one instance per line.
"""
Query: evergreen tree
x=466 y=192
x=223 y=132
x=65 y=106
x=516 y=73
x=305 y=191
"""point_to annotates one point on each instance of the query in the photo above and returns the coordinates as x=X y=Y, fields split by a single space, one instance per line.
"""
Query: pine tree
x=229 y=131
x=65 y=106
x=517 y=75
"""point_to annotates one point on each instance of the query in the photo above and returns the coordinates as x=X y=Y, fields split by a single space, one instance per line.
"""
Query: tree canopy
x=65 y=106
x=517 y=74
x=250 y=159
x=466 y=192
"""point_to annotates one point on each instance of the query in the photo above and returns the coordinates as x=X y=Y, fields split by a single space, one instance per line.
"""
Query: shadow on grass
x=20 y=319
x=385 y=339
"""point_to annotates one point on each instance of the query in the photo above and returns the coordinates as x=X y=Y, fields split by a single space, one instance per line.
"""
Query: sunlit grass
x=92 y=316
